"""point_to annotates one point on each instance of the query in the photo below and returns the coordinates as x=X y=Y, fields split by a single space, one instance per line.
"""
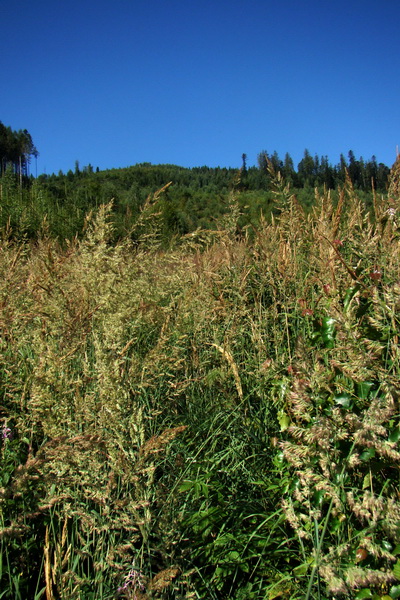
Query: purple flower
x=133 y=581
x=6 y=433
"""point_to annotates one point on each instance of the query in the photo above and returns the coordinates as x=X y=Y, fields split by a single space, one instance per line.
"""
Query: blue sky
x=190 y=82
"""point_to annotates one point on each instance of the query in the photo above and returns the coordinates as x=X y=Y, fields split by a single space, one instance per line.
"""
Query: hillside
x=192 y=198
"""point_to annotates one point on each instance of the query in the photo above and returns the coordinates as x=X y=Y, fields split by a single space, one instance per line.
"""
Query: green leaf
x=367 y=454
x=279 y=460
x=185 y=486
x=318 y=497
x=223 y=540
x=343 y=400
x=365 y=593
x=335 y=524
x=366 y=482
x=363 y=389
x=233 y=555
x=387 y=546
x=395 y=591
x=396 y=551
x=284 y=420
x=328 y=331
x=301 y=570
x=394 y=436
x=396 y=570
x=39 y=595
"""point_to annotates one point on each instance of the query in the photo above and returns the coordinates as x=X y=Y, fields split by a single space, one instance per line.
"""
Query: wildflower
x=133 y=581
x=6 y=433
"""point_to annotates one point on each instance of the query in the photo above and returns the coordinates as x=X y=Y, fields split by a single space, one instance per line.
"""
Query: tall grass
x=219 y=420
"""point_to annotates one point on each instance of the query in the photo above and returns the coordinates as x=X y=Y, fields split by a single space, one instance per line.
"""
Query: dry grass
x=150 y=392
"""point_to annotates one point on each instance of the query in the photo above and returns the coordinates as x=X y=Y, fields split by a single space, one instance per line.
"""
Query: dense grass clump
x=219 y=420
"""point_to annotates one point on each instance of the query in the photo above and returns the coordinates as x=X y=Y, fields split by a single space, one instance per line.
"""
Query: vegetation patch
x=214 y=418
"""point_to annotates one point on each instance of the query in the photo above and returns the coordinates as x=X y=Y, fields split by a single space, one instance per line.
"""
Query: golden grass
x=109 y=359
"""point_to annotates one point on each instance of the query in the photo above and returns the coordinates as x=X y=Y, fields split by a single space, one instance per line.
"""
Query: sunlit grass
x=219 y=420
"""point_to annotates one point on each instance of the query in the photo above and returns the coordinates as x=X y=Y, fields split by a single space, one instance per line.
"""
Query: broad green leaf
x=394 y=436
x=328 y=332
x=396 y=570
x=335 y=524
x=366 y=482
x=396 y=550
x=387 y=546
x=344 y=400
x=186 y=485
x=223 y=540
x=279 y=460
x=367 y=454
x=363 y=389
x=365 y=593
x=301 y=570
x=395 y=591
x=328 y=324
x=233 y=555
x=318 y=497
x=284 y=420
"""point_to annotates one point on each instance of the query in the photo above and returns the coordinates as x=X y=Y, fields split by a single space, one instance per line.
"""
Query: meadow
x=215 y=420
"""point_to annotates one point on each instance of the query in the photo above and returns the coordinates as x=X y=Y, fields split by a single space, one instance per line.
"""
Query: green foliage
x=197 y=197
x=16 y=149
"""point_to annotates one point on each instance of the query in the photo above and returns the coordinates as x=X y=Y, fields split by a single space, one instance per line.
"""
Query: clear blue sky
x=200 y=82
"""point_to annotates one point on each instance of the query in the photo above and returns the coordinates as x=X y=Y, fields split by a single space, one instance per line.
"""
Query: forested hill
x=196 y=197
x=311 y=171
x=17 y=149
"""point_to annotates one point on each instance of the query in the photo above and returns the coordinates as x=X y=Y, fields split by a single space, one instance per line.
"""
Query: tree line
x=16 y=150
x=316 y=171
x=312 y=171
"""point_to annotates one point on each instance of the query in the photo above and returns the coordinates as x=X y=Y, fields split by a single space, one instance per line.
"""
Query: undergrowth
x=219 y=420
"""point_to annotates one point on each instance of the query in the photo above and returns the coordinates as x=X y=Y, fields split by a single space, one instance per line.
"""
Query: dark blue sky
x=114 y=83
